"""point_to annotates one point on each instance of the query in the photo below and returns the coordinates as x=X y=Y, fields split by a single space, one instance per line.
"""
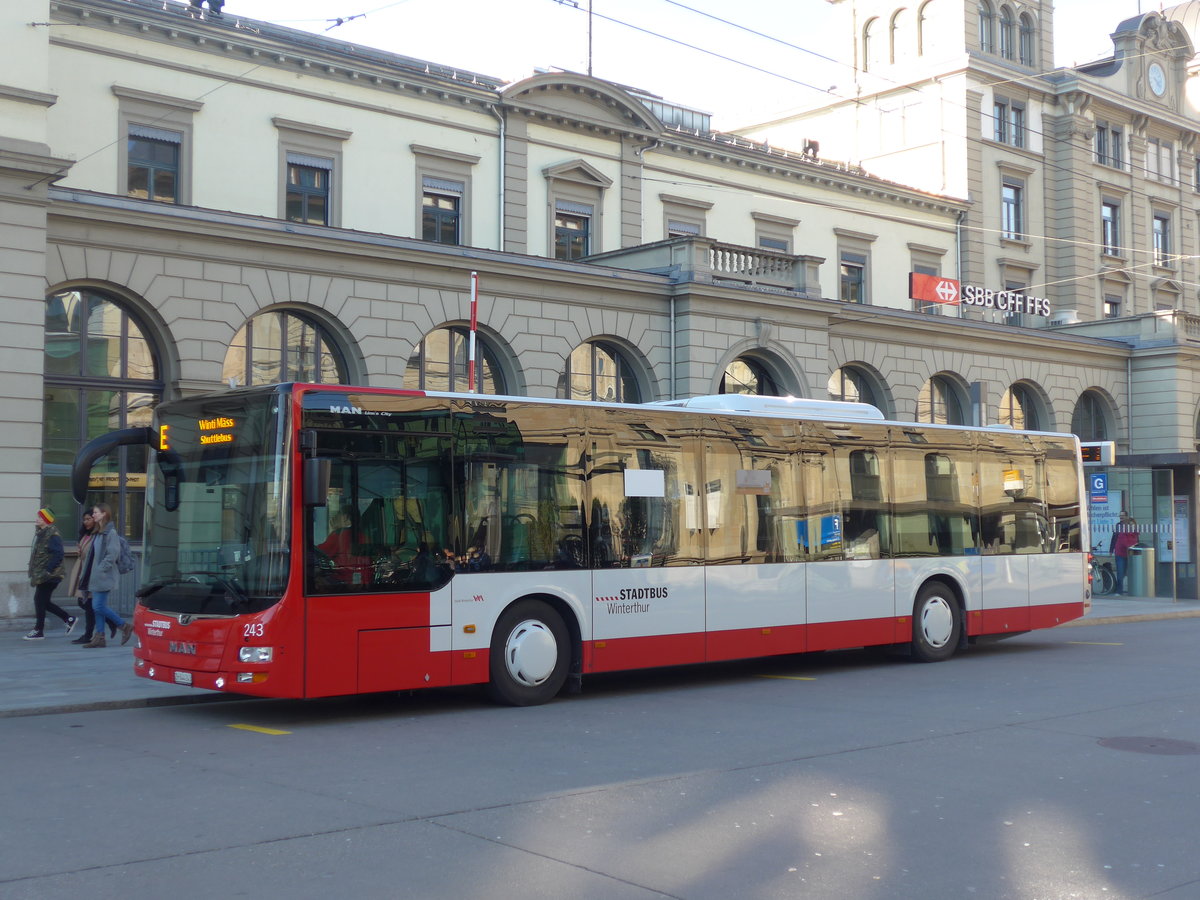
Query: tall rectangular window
x=928 y=307
x=1162 y=241
x=1012 y=210
x=1011 y=317
x=441 y=210
x=307 y=189
x=852 y=277
x=1112 y=306
x=153 y=164
x=1110 y=227
x=1009 y=118
x=572 y=230
x=1110 y=145
x=1160 y=160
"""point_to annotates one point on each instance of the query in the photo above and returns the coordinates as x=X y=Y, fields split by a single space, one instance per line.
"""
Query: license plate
x=183 y=677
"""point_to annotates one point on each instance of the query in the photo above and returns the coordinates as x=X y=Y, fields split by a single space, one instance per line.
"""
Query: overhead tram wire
x=225 y=82
x=1022 y=79
x=978 y=229
x=1134 y=269
x=570 y=4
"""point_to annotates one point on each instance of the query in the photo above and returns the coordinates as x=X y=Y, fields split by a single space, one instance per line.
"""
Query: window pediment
x=578 y=171
x=579 y=99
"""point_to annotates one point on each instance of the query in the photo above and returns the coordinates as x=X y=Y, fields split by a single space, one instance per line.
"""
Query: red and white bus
x=313 y=540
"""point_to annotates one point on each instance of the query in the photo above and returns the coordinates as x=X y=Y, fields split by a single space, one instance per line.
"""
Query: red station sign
x=934 y=288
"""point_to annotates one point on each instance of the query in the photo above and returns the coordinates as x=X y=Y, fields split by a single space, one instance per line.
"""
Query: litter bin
x=1141 y=571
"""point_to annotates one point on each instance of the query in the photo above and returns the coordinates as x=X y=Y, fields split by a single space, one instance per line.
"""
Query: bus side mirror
x=171 y=467
x=317 y=472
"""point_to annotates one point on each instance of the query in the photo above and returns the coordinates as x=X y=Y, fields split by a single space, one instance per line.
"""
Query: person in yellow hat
x=46 y=572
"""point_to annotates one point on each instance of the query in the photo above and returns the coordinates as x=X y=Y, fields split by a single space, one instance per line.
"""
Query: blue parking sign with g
x=1098 y=487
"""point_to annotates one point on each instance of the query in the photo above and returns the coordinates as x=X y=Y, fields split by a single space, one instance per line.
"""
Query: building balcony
x=702 y=259
x=1159 y=328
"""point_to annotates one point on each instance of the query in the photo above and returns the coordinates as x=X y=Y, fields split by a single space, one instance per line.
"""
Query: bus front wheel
x=530 y=654
x=937 y=625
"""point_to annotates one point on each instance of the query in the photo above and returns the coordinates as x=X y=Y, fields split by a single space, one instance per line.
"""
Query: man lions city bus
x=312 y=540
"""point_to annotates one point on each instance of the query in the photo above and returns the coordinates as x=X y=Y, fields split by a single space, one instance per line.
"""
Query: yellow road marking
x=1099 y=643
x=260 y=729
x=789 y=677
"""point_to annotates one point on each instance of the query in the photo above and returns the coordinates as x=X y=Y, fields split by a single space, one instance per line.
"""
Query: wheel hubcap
x=937 y=621
x=530 y=653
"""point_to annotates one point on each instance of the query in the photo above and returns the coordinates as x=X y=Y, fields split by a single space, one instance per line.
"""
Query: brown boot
x=97 y=640
x=126 y=631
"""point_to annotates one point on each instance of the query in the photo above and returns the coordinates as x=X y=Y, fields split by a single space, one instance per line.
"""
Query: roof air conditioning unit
x=1065 y=317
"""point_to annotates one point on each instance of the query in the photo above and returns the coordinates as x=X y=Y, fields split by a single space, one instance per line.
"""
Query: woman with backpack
x=100 y=575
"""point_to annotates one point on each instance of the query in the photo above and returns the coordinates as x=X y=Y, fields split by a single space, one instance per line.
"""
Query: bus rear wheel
x=937 y=624
x=530 y=654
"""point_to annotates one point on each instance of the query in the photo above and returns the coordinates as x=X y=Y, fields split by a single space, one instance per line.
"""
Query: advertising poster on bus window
x=831 y=532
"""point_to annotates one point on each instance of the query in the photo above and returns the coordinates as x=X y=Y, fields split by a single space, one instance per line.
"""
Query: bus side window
x=864 y=510
x=1062 y=500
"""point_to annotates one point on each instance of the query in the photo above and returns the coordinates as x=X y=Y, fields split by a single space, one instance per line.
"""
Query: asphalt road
x=1060 y=764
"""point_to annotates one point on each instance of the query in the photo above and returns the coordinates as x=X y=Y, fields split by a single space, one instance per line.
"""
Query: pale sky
x=508 y=39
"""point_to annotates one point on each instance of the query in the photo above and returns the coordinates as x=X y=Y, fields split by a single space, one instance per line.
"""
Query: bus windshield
x=217 y=506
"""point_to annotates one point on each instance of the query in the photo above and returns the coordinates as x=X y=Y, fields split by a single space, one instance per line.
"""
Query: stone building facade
x=192 y=202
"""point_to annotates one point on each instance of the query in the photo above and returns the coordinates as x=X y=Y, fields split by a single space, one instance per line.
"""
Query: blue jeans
x=1122 y=562
x=103 y=613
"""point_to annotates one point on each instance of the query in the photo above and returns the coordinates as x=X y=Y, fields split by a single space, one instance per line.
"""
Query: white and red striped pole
x=474 y=324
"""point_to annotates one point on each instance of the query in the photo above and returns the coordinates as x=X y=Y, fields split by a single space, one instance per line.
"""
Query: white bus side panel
x=1057 y=582
x=1005 y=594
x=479 y=599
x=913 y=572
x=755 y=596
x=851 y=603
x=644 y=602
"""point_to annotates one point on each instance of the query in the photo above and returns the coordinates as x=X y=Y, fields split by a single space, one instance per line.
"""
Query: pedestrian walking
x=100 y=576
x=87 y=534
x=46 y=573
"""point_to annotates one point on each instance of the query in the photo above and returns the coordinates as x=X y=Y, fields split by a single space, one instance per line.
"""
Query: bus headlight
x=256 y=654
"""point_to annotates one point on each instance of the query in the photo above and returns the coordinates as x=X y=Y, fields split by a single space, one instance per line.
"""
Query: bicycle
x=1104 y=577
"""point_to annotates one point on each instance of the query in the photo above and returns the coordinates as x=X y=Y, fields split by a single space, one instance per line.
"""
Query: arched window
x=851 y=386
x=1019 y=409
x=1027 y=47
x=598 y=371
x=939 y=403
x=747 y=376
x=1089 y=421
x=101 y=374
x=898 y=39
x=987 y=27
x=868 y=44
x=282 y=345
x=1008 y=33
x=440 y=363
x=924 y=24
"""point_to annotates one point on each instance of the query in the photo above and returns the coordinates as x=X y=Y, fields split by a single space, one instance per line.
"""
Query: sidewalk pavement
x=56 y=676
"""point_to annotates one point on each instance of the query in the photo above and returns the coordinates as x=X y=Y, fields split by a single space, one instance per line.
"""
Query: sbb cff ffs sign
x=936 y=289
x=933 y=288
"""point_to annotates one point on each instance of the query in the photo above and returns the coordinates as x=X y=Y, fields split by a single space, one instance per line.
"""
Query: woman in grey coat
x=100 y=575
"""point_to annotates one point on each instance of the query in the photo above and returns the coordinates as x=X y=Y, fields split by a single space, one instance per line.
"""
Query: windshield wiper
x=228 y=582
x=230 y=585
